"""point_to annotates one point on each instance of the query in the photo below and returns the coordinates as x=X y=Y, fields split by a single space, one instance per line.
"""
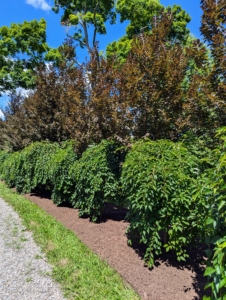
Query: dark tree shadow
x=113 y=212
x=44 y=193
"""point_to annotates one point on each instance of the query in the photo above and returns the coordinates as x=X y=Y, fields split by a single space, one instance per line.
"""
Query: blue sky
x=17 y=11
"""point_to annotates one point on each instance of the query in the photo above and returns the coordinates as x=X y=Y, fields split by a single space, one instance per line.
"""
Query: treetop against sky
x=20 y=10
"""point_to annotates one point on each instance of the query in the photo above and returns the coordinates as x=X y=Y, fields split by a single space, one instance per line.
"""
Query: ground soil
x=168 y=280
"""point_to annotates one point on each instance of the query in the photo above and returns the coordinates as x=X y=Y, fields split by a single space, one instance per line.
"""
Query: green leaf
x=209 y=271
x=222 y=283
x=209 y=221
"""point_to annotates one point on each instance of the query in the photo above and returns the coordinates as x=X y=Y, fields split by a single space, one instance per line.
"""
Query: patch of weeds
x=29 y=268
x=45 y=273
x=24 y=229
x=15 y=231
x=15 y=245
x=29 y=279
x=37 y=256
x=23 y=239
x=18 y=246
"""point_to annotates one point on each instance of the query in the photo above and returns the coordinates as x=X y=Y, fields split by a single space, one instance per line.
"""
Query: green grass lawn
x=81 y=273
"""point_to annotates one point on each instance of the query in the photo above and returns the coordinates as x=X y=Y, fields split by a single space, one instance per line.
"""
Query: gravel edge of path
x=24 y=271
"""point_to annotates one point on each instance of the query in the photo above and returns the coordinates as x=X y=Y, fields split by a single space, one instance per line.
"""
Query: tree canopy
x=163 y=89
x=213 y=29
x=142 y=16
x=84 y=14
x=22 y=47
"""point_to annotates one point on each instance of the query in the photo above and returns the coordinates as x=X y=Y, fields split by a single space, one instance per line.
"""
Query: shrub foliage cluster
x=162 y=191
x=86 y=182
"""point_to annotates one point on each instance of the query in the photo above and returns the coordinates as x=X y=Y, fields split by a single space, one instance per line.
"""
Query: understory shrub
x=63 y=183
x=165 y=193
x=96 y=175
x=216 y=225
x=43 y=166
x=40 y=166
x=3 y=155
x=36 y=169
x=9 y=168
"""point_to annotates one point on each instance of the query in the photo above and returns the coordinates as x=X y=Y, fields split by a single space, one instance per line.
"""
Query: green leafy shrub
x=202 y=147
x=163 y=194
x=63 y=182
x=9 y=168
x=96 y=176
x=39 y=166
x=216 y=225
x=35 y=168
x=43 y=154
x=3 y=156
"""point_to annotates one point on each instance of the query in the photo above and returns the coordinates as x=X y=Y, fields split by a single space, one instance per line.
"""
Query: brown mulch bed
x=168 y=280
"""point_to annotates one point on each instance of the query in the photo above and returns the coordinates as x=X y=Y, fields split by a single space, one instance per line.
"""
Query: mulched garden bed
x=168 y=280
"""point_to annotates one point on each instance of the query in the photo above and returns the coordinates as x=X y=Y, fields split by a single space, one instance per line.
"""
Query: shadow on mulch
x=111 y=212
x=195 y=263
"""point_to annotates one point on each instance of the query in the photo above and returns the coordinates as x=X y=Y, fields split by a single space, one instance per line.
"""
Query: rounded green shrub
x=63 y=183
x=96 y=176
x=9 y=168
x=39 y=166
x=163 y=190
x=35 y=168
x=43 y=153
x=216 y=223
x=3 y=155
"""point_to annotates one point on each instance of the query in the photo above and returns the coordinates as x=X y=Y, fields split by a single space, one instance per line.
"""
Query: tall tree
x=22 y=47
x=141 y=15
x=213 y=29
x=15 y=132
x=84 y=15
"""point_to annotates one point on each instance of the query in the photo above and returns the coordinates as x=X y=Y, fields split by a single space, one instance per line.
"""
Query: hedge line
x=86 y=183
x=172 y=199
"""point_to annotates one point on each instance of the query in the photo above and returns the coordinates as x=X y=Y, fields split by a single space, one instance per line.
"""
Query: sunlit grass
x=81 y=273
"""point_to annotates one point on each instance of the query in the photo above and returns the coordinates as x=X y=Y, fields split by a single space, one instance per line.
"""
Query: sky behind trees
x=17 y=11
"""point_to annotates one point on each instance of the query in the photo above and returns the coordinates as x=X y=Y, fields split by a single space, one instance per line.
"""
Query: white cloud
x=42 y=4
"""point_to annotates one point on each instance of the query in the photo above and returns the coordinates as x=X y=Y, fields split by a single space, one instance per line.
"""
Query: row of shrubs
x=86 y=182
x=174 y=193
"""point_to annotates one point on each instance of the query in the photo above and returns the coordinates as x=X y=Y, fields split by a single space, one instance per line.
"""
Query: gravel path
x=24 y=272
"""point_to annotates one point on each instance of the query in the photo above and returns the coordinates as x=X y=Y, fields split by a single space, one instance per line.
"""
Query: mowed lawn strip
x=80 y=272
